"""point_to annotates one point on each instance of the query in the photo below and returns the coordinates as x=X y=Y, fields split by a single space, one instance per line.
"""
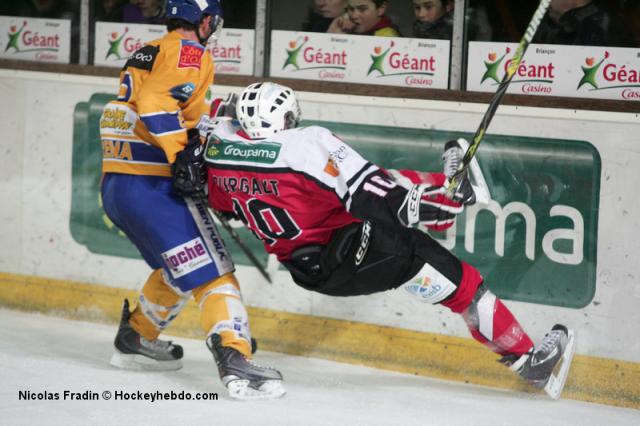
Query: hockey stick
x=456 y=179
x=246 y=250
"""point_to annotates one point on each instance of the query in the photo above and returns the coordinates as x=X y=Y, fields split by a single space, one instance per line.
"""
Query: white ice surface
x=41 y=353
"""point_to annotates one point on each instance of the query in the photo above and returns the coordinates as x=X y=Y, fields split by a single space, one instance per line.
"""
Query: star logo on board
x=114 y=43
x=378 y=59
x=591 y=71
x=294 y=51
x=493 y=66
x=14 y=37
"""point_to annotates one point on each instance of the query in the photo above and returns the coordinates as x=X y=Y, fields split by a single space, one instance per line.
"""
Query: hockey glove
x=188 y=171
x=435 y=211
x=452 y=157
x=224 y=107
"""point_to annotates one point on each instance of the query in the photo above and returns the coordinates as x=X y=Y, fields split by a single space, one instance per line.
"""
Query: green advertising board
x=535 y=242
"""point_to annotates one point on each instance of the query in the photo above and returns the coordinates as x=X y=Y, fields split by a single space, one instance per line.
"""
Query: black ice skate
x=547 y=365
x=134 y=352
x=243 y=379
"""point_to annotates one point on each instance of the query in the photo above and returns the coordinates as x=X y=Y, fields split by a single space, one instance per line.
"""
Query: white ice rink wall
x=36 y=131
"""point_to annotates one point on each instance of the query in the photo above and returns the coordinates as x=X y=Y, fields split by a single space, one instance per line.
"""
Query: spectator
x=434 y=19
x=109 y=10
x=52 y=9
x=574 y=22
x=144 y=12
x=322 y=14
x=365 y=17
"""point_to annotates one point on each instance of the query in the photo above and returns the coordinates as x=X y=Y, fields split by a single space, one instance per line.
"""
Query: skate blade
x=556 y=382
x=142 y=363
x=240 y=389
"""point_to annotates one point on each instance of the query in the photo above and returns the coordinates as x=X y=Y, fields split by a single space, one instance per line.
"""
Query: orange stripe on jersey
x=128 y=168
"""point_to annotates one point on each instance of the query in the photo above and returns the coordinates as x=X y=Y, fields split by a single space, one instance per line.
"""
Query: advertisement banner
x=535 y=241
x=385 y=61
x=32 y=39
x=115 y=42
x=557 y=70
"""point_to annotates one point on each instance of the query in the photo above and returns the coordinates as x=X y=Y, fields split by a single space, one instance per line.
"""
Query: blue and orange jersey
x=163 y=88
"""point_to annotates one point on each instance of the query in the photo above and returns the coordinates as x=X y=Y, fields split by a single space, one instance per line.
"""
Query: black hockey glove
x=188 y=171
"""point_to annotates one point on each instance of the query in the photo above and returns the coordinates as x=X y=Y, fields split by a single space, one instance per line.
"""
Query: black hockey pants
x=364 y=258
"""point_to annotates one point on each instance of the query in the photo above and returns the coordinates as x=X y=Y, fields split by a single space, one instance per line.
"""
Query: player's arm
x=372 y=193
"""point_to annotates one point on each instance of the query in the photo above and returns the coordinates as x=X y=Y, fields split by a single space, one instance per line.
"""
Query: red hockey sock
x=489 y=320
x=493 y=324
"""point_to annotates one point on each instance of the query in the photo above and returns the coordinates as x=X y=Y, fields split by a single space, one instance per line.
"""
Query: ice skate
x=243 y=379
x=134 y=352
x=547 y=365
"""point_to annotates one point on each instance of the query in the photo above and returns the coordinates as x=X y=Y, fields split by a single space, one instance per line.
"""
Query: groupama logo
x=23 y=40
x=534 y=77
x=615 y=76
x=303 y=55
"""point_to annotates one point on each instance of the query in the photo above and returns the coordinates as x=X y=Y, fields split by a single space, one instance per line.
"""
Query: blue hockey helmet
x=192 y=11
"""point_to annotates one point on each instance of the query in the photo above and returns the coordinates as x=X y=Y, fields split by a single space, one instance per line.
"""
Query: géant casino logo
x=227 y=58
x=24 y=40
x=392 y=62
x=303 y=55
x=534 y=78
x=606 y=74
x=122 y=46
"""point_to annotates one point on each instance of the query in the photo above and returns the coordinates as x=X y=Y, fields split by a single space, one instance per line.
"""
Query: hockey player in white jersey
x=344 y=226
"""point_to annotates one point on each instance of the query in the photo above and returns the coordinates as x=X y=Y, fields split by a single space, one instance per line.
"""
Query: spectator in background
x=365 y=17
x=322 y=14
x=109 y=10
x=52 y=9
x=434 y=19
x=574 y=22
x=144 y=12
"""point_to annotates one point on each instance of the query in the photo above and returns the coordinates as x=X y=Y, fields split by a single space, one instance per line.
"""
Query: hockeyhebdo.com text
x=116 y=395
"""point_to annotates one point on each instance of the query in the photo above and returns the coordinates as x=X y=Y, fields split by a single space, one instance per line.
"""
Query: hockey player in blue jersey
x=150 y=141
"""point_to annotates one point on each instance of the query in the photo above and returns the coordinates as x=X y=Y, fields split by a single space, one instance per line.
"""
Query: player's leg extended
x=459 y=286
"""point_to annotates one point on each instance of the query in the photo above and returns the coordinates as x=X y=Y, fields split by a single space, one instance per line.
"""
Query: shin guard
x=492 y=324
x=158 y=304
x=489 y=320
x=222 y=312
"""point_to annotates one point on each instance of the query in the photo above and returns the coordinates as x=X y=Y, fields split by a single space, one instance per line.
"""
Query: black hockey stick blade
x=457 y=178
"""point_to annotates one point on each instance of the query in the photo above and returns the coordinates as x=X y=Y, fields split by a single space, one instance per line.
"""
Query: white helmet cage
x=267 y=108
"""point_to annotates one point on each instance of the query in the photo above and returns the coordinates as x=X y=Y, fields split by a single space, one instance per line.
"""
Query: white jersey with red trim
x=292 y=190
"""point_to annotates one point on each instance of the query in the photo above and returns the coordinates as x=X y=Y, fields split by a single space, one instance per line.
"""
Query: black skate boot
x=547 y=365
x=134 y=352
x=243 y=379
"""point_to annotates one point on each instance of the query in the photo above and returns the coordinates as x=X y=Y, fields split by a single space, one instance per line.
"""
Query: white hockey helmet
x=267 y=108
